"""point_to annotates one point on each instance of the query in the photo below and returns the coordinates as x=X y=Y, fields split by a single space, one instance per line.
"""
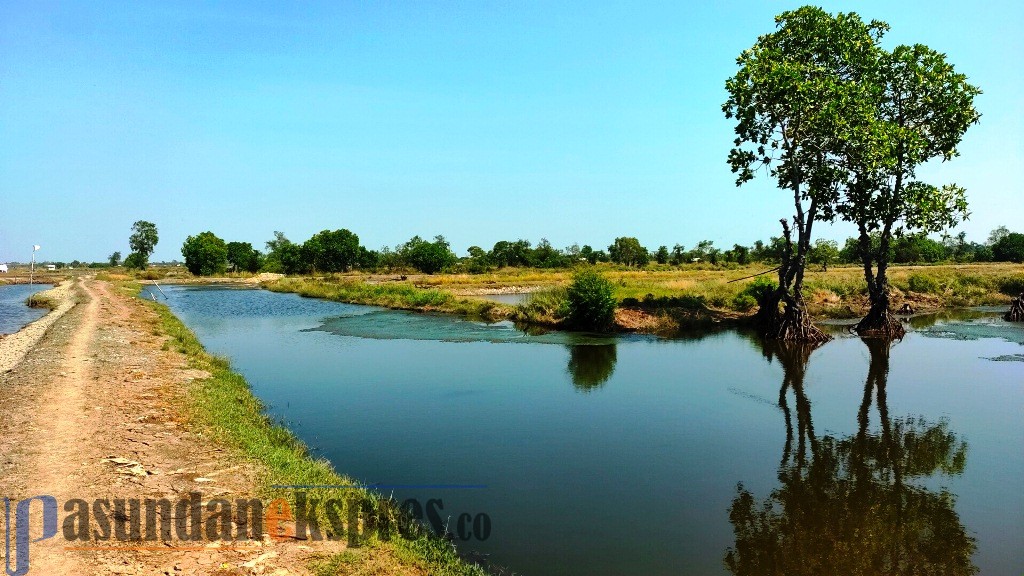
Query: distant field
x=839 y=292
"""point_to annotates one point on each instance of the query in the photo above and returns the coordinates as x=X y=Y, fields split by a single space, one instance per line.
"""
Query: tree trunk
x=792 y=323
x=781 y=315
x=880 y=321
x=1016 y=313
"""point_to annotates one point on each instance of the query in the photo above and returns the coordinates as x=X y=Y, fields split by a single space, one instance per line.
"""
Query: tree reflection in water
x=850 y=505
x=591 y=365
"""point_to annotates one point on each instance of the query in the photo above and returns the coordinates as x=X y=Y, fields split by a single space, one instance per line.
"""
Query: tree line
x=331 y=251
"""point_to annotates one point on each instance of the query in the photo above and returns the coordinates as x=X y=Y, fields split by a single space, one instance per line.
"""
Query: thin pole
x=32 y=268
x=751 y=276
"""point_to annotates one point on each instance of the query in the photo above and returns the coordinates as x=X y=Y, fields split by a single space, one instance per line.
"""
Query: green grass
x=223 y=409
x=704 y=290
x=546 y=307
x=41 y=301
x=396 y=295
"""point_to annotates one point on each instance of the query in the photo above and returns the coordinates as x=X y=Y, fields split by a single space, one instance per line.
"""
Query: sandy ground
x=87 y=411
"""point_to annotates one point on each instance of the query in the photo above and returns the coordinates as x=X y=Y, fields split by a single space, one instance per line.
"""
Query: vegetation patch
x=589 y=302
x=395 y=295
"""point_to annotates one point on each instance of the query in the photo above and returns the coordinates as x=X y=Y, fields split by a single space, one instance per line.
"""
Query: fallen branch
x=754 y=275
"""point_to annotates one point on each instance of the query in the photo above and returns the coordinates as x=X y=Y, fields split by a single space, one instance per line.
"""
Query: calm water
x=644 y=456
x=14 y=313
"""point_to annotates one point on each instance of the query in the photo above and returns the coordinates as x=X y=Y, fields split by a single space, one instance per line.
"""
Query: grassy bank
x=223 y=408
x=663 y=299
x=395 y=295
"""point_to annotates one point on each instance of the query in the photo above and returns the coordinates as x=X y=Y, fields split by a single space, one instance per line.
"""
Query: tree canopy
x=628 y=251
x=205 y=254
x=331 y=251
x=142 y=242
x=242 y=257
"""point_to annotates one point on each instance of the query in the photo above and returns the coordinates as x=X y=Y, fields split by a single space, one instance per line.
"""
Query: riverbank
x=116 y=399
x=665 y=300
x=13 y=347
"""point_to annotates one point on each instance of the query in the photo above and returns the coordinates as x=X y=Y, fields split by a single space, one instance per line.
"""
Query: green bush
x=1013 y=285
x=922 y=284
x=590 y=303
x=744 y=302
x=761 y=287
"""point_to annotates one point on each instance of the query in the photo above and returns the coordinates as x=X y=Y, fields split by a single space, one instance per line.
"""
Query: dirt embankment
x=89 y=412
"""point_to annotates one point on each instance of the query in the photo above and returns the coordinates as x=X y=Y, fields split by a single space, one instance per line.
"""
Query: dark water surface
x=635 y=455
x=14 y=313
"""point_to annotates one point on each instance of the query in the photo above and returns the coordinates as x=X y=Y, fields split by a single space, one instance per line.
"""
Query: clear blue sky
x=481 y=121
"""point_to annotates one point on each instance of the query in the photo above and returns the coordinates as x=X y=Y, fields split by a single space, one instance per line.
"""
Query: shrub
x=589 y=300
x=1013 y=285
x=761 y=287
x=922 y=284
x=744 y=302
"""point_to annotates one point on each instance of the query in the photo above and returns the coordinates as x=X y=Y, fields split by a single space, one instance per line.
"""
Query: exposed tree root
x=789 y=322
x=1016 y=313
x=880 y=323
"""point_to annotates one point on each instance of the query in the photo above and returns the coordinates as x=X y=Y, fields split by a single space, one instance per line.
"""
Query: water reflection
x=591 y=366
x=850 y=505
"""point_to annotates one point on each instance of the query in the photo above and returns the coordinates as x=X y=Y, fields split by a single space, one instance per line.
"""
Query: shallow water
x=596 y=455
x=512 y=299
x=14 y=313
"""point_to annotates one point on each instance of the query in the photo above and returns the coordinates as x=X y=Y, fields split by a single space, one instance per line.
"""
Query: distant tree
x=114 y=259
x=1009 y=248
x=824 y=252
x=242 y=257
x=588 y=253
x=142 y=242
x=205 y=254
x=997 y=235
x=661 y=256
x=505 y=253
x=331 y=251
x=628 y=251
x=547 y=256
x=368 y=259
x=428 y=257
x=134 y=261
x=703 y=251
x=740 y=254
x=572 y=254
x=678 y=255
x=913 y=248
x=283 y=256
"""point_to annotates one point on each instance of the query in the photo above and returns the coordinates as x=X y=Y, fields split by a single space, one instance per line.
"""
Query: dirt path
x=89 y=413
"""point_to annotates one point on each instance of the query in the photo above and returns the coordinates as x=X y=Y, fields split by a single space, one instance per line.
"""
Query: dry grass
x=839 y=292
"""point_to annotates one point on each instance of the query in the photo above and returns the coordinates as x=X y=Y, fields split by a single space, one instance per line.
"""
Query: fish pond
x=711 y=454
x=14 y=311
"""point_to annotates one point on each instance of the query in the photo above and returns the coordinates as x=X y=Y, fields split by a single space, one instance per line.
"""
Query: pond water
x=713 y=454
x=14 y=313
x=511 y=299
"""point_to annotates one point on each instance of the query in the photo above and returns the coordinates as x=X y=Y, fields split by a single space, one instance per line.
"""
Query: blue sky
x=482 y=121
